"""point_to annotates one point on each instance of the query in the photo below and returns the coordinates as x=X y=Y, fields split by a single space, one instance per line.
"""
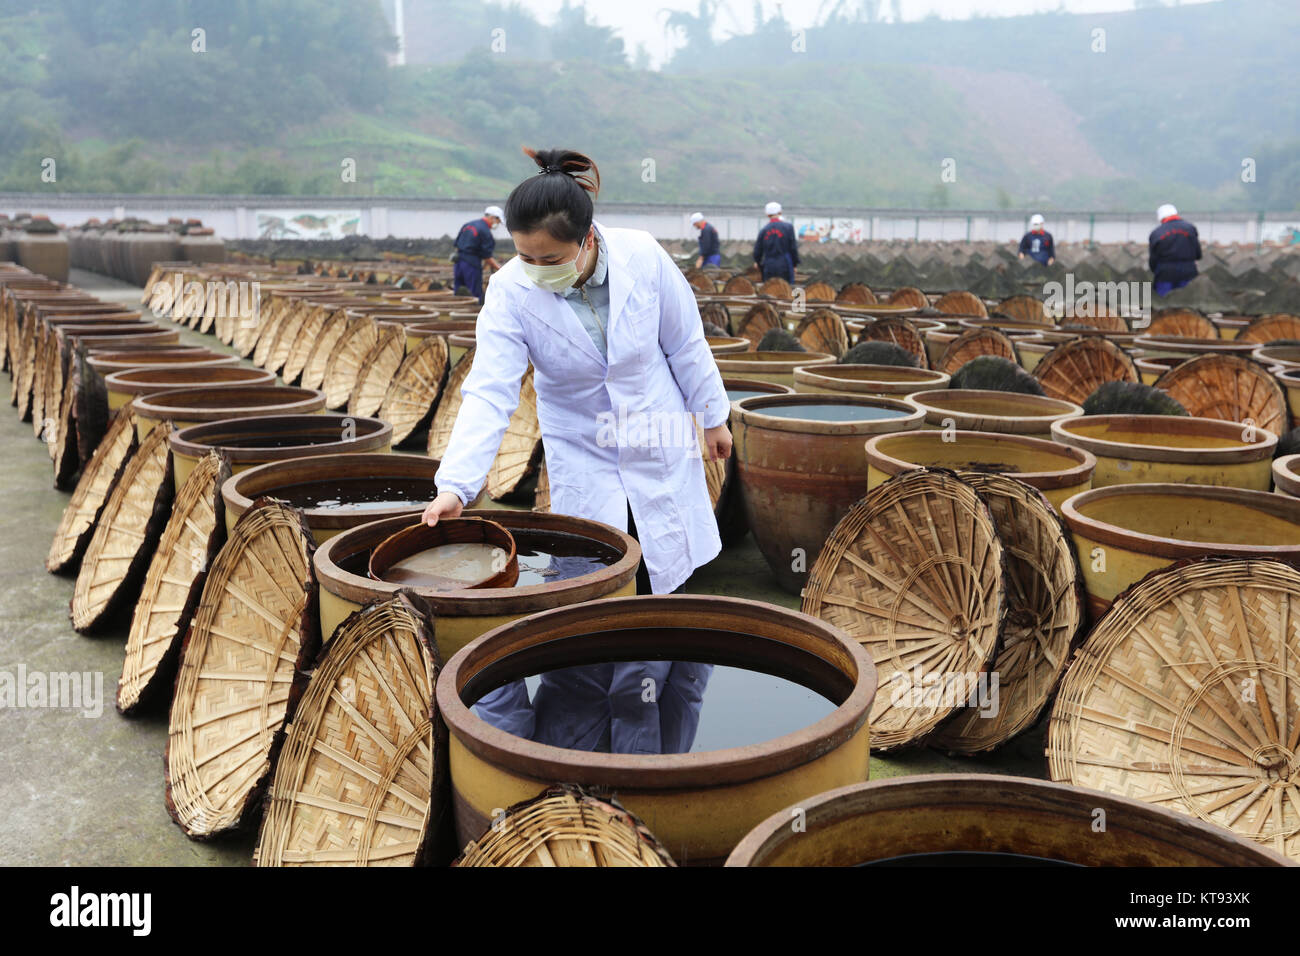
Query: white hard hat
x=772 y=209
x=1165 y=211
x=495 y=211
x=1035 y=220
x=697 y=217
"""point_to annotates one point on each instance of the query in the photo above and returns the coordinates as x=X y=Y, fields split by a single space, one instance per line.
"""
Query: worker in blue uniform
x=1037 y=242
x=474 y=246
x=1174 y=248
x=710 y=245
x=776 y=250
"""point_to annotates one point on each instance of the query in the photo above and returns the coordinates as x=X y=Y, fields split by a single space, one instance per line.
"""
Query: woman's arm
x=681 y=337
x=489 y=397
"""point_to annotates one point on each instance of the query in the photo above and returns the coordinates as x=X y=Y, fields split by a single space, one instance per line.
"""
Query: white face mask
x=557 y=278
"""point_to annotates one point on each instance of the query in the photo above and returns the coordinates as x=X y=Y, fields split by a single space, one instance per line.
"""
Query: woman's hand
x=717 y=441
x=446 y=505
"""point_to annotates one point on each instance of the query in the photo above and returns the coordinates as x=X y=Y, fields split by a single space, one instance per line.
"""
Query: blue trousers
x=1162 y=289
x=713 y=260
x=468 y=273
x=780 y=267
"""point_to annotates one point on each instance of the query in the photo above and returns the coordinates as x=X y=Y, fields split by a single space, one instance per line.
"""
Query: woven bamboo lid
x=909 y=296
x=1230 y=388
x=125 y=535
x=1271 y=328
x=716 y=313
x=1101 y=320
x=761 y=317
x=1025 y=308
x=360 y=780
x=1187 y=694
x=241 y=670
x=444 y=416
x=413 y=392
x=1183 y=322
x=961 y=303
x=973 y=343
x=899 y=331
x=1074 y=370
x=819 y=292
x=318 y=353
x=563 y=826
x=170 y=594
x=776 y=288
x=280 y=313
x=542 y=492
x=61 y=437
x=347 y=359
x=289 y=332
x=1045 y=611
x=301 y=344
x=521 y=445
x=93 y=489
x=377 y=370
x=856 y=293
x=700 y=282
x=738 y=285
x=914 y=572
x=822 y=330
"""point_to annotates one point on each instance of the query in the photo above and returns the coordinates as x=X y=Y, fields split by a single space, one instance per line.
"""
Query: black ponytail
x=557 y=199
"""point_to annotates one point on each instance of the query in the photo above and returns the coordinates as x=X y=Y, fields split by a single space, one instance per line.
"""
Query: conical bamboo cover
x=542 y=493
x=61 y=440
x=738 y=285
x=914 y=572
x=899 y=331
x=1045 y=611
x=444 y=417
x=517 y=457
x=378 y=370
x=126 y=533
x=1075 y=369
x=361 y=778
x=1187 y=695
x=1099 y=319
x=776 y=287
x=761 y=317
x=701 y=282
x=170 y=595
x=1230 y=388
x=300 y=347
x=856 y=293
x=822 y=330
x=1023 y=308
x=289 y=332
x=819 y=292
x=242 y=670
x=974 y=343
x=93 y=489
x=281 y=315
x=909 y=296
x=346 y=360
x=317 y=360
x=1182 y=322
x=716 y=313
x=961 y=303
x=413 y=393
x=1271 y=328
x=564 y=826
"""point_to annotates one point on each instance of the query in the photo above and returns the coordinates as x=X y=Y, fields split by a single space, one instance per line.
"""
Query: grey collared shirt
x=594 y=295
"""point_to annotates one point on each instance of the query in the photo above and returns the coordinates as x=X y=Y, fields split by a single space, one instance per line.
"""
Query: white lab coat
x=659 y=366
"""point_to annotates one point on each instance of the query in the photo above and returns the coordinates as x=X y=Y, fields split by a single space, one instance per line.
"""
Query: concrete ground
x=85 y=786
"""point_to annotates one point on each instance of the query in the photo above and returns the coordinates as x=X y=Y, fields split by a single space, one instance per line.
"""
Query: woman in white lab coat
x=613 y=333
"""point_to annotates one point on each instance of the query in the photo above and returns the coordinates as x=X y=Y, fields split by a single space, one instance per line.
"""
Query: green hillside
x=285 y=92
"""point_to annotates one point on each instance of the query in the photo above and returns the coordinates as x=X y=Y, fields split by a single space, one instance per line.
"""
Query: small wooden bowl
x=422 y=537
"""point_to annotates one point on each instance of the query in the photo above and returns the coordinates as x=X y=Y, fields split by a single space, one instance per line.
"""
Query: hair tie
x=550 y=169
